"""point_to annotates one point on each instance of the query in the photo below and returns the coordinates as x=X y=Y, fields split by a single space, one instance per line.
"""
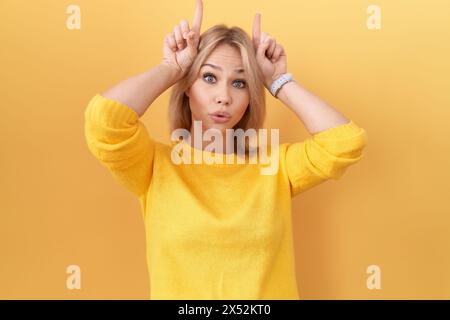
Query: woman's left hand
x=270 y=54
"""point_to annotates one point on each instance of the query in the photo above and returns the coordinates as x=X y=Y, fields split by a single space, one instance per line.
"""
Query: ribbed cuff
x=339 y=144
x=109 y=112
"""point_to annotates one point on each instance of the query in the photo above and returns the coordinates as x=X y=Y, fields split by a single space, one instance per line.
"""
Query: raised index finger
x=197 y=22
x=256 y=29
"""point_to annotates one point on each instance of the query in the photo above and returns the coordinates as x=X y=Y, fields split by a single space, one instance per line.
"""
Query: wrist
x=283 y=93
x=175 y=73
x=278 y=82
x=268 y=82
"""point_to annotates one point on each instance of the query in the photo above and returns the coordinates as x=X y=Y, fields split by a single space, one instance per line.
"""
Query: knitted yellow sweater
x=216 y=231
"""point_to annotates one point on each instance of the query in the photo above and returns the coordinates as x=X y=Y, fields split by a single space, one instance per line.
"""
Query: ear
x=187 y=91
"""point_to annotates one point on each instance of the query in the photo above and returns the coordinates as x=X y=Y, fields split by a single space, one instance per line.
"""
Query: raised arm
x=336 y=141
x=179 y=51
x=139 y=91
x=315 y=113
x=114 y=133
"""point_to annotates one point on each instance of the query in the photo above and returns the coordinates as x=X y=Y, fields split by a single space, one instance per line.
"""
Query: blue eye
x=206 y=75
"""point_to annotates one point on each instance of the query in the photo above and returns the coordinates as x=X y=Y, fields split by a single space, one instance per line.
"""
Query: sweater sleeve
x=120 y=141
x=326 y=155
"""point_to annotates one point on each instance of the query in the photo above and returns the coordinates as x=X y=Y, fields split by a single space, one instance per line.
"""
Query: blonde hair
x=253 y=118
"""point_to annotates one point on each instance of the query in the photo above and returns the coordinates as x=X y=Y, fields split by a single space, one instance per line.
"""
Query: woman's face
x=220 y=87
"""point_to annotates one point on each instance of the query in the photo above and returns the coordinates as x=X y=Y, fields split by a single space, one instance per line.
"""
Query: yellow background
x=59 y=206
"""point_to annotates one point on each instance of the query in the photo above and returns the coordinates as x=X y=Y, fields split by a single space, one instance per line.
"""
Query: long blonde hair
x=253 y=118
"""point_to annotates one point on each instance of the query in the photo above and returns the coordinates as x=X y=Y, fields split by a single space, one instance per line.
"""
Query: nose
x=223 y=97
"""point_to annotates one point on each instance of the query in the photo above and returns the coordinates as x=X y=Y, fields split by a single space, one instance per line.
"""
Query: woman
x=221 y=230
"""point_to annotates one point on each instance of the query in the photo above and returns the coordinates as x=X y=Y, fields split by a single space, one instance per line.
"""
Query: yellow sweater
x=216 y=231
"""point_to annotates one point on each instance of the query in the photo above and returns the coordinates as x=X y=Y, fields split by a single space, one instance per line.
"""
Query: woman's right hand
x=180 y=46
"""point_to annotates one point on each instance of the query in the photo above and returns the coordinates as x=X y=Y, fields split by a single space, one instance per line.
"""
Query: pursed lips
x=221 y=114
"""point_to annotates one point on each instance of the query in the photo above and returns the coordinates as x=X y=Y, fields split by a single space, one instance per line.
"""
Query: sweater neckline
x=213 y=155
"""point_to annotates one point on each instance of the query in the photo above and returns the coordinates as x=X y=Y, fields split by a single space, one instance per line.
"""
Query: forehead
x=225 y=57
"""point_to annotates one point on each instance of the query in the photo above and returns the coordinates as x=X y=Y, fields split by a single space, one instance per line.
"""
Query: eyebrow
x=217 y=67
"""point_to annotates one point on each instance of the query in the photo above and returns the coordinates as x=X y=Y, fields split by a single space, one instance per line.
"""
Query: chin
x=211 y=124
x=221 y=126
